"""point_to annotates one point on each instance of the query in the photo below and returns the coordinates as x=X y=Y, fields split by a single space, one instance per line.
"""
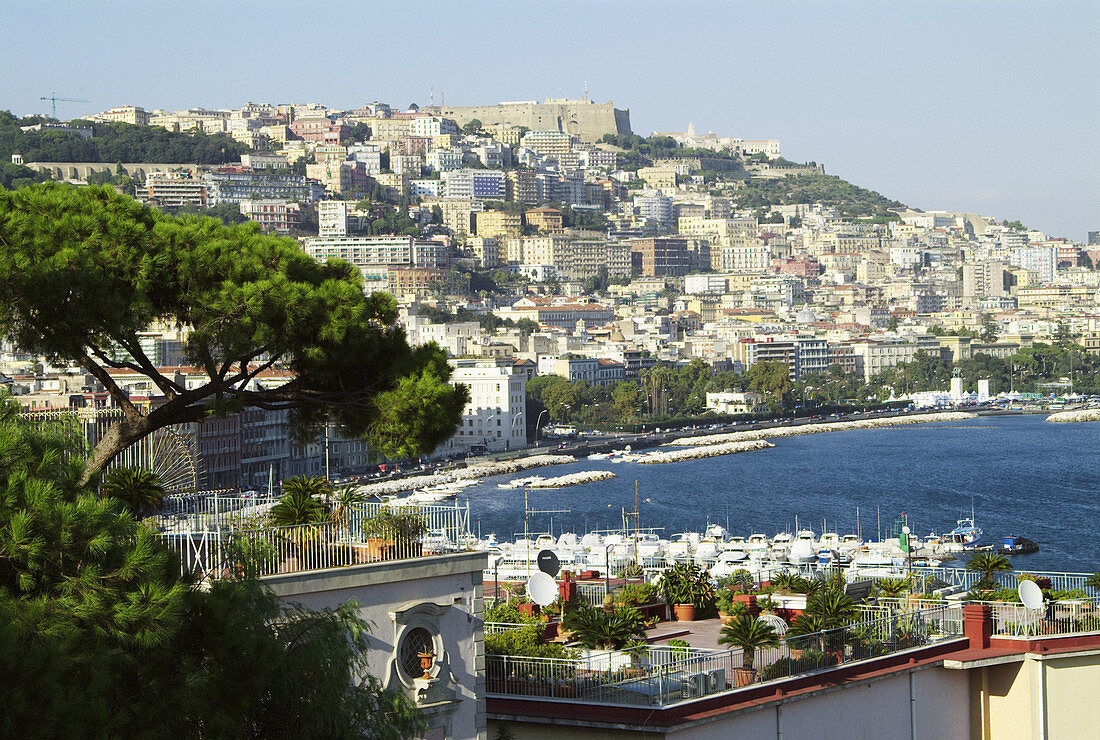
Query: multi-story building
x=661 y=256
x=237 y=185
x=523 y=186
x=656 y=207
x=273 y=216
x=322 y=130
x=1042 y=260
x=131 y=114
x=476 y=184
x=495 y=418
x=174 y=189
x=549 y=143
x=486 y=251
x=545 y=220
x=558 y=311
x=423 y=281
x=496 y=224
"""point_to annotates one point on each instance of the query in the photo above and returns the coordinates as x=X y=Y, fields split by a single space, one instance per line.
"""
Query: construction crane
x=53 y=98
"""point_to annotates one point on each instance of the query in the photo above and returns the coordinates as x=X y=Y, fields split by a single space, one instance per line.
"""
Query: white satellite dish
x=1031 y=595
x=542 y=589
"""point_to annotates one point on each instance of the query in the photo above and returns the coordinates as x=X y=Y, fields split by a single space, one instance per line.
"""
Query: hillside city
x=579 y=274
x=264 y=370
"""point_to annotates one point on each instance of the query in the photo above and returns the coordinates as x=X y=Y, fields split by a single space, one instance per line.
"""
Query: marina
x=1023 y=478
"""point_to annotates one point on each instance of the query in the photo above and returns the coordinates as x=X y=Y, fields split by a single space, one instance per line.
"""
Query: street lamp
x=908 y=553
x=537 y=428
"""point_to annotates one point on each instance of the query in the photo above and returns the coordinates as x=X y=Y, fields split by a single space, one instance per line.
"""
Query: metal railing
x=209 y=511
x=968 y=578
x=495 y=628
x=1054 y=618
x=366 y=533
x=660 y=676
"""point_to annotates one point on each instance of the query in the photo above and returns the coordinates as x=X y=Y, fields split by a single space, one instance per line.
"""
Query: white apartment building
x=547 y=142
x=495 y=418
x=174 y=189
x=361 y=250
x=445 y=160
x=1042 y=260
x=430 y=126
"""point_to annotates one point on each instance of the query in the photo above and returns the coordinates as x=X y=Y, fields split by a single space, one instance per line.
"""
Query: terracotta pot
x=684 y=612
x=742 y=676
x=426 y=660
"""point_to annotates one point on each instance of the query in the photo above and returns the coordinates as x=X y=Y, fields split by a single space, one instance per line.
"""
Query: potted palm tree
x=293 y=512
x=749 y=634
x=687 y=590
x=605 y=630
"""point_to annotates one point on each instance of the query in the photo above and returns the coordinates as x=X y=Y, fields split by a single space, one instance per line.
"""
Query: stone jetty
x=1078 y=415
x=698 y=453
x=574 y=479
x=836 y=426
x=480 y=470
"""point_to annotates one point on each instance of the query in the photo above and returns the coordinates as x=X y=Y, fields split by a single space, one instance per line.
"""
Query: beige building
x=496 y=224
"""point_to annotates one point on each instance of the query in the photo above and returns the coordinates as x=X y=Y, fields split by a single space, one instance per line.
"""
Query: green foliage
x=739 y=581
x=227 y=213
x=140 y=491
x=832 y=605
x=387 y=523
x=636 y=594
x=297 y=507
x=85 y=270
x=849 y=200
x=99 y=634
x=892 y=587
x=508 y=613
x=687 y=583
x=749 y=634
x=809 y=661
x=988 y=563
x=526 y=641
x=115 y=142
x=14 y=176
x=605 y=630
x=726 y=605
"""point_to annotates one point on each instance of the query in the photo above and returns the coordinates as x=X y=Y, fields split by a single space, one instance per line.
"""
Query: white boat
x=728 y=562
x=965 y=534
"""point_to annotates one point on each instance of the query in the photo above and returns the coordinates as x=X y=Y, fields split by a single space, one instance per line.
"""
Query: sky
x=990 y=107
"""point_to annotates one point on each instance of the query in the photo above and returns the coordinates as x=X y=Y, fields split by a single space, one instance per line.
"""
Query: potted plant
x=687 y=589
x=728 y=609
x=392 y=535
x=749 y=634
x=427 y=657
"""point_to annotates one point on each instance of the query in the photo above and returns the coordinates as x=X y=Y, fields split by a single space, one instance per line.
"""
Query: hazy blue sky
x=981 y=106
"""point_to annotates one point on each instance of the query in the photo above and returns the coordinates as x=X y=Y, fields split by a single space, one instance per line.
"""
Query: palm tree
x=892 y=587
x=834 y=607
x=313 y=485
x=295 y=508
x=345 y=498
x=602 y=630
x=1093 y=581
x=988 y=563
x=137 y=489
x=748 y=634
x=803 y=626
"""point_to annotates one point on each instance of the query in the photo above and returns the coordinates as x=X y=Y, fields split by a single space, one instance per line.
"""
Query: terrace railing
x=361 y=536
x=1054 y=618
x=663 y=676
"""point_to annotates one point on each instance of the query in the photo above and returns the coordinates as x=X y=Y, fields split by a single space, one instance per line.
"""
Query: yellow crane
x=53 y=98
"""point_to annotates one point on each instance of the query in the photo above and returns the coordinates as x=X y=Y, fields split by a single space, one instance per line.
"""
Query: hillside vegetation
x=114 y=142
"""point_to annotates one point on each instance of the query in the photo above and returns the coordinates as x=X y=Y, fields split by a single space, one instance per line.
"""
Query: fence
x=211 y=511
x=661 y=676
x=1054 y=618
x=968 y=578
x=366 y=533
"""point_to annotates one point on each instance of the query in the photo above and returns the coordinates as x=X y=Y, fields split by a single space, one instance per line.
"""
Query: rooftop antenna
x=431 y=96
x=586 y=89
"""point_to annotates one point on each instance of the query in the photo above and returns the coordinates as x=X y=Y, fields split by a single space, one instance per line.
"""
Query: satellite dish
x=1031 y=595
x=542 y=589
x=549 y=563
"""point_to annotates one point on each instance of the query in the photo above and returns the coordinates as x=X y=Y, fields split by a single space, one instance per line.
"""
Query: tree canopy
x=101 y=636
x=114 y=142
x=85 y=270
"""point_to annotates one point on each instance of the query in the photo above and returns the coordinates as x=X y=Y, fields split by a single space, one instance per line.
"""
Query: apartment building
x=273 y=216
x=477 y=184
x=494 y=224
x=661 y=256
x=495 y=418
x=174 y=189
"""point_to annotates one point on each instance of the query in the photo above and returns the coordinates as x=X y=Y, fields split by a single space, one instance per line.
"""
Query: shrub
x=811 y=660
x=508 y=613
x=636 y=594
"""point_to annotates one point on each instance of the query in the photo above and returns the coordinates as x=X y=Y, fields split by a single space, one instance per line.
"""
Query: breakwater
x=480 y=470
x=1078 y=415
x=835 y=426
x=574 y=479
x=698 y=453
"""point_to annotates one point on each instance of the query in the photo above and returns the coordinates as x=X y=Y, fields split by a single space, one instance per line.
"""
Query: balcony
x=661 y=676
x=224 y=536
